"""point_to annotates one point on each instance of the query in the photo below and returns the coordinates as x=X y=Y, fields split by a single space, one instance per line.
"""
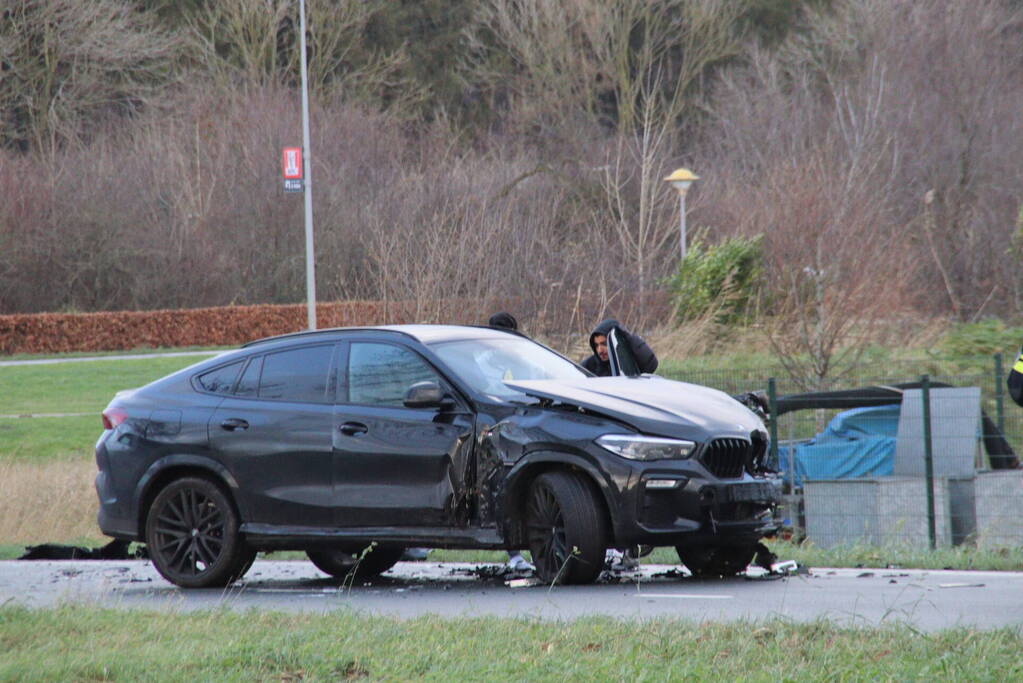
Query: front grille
x=727 y=458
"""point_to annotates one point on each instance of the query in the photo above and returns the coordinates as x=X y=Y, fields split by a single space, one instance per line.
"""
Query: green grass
x=95 y=644
x=49 y=437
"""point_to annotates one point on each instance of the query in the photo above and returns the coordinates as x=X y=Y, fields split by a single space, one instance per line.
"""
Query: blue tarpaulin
x=856 y=443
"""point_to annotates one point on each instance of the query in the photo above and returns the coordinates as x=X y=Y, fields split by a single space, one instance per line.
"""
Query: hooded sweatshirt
x=645 y=357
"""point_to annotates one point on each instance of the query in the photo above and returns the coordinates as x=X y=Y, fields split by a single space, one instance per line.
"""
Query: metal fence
x=914 y=453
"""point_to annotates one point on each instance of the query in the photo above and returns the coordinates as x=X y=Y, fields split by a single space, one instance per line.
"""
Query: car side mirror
x=426 y=394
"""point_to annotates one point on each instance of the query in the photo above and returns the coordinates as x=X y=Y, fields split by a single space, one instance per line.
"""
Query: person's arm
x=645 y=357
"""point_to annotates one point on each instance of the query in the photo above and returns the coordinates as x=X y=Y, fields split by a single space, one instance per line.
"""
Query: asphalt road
x=928 y=600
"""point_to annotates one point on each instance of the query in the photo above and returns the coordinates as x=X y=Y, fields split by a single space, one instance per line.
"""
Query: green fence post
x=1000 y=393
x=772 y=402
x=925 y=390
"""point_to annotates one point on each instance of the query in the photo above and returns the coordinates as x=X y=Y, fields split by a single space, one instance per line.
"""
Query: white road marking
x=296 y=591
x=24 y=415
x=87 y=359
x=683 y=596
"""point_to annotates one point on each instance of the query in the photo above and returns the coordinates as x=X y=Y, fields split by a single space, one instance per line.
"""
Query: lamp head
x=681 y=179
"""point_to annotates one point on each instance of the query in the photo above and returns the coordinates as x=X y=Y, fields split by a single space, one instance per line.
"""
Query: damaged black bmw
x=353 y=444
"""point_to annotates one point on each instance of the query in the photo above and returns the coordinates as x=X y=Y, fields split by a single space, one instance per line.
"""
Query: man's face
x=600 y=341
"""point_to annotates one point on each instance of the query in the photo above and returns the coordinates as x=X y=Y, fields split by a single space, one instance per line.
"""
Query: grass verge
x=45 y=502
x=96 y=644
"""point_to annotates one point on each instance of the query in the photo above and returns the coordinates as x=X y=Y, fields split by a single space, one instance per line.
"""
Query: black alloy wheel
x=716 y=560
x=192 y=535
x=566 y=529
x=355 y=561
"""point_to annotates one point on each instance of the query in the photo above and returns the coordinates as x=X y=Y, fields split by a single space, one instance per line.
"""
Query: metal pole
x=925 y=390
x=1000 y=393
x=772 y=403
x=682 y=221
x=310 y=261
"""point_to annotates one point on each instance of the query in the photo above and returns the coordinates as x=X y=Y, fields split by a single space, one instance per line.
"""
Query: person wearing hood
x=504 y=321
x=600 y=365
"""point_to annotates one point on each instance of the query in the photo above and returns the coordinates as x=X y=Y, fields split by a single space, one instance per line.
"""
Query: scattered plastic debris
x=523 y=583
x=960 y=585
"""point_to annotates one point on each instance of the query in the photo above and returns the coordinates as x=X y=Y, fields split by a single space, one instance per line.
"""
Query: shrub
x=720 y=280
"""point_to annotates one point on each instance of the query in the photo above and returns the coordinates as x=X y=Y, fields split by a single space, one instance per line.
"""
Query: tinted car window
x=221 y=380
x=298 y=375
x=248 y=385
x=380 y=374
x=485 y=364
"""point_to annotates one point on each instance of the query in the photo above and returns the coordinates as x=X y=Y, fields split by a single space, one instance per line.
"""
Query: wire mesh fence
x=913 y=453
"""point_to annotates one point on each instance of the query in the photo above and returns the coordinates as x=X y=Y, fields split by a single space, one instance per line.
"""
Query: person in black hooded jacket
x=1015 y=380
x=600 y=365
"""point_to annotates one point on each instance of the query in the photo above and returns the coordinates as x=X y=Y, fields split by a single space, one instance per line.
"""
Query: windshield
x=486 y=364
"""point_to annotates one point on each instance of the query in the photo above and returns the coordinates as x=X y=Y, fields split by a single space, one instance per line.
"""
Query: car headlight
x=636 y=447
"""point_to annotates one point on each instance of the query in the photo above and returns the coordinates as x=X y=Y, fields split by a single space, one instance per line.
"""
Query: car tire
x=355 y=561
x=566 y=529
x=192 y=535
x=716 y=560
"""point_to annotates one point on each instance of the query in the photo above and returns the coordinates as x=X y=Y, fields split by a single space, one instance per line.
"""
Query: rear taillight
x=113 y=417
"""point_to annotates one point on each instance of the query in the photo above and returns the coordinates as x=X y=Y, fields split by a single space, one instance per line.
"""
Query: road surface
x=928 y=600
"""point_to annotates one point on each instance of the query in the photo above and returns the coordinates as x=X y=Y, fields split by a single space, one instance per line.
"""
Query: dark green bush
x=718 y=279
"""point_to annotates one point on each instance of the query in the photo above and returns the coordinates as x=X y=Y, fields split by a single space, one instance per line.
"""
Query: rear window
x=221 y=380
x=248 y=385
x=297 y=375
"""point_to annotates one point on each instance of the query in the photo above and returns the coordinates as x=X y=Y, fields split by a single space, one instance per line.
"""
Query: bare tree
x=821 y=188
x=599 y=56
x=66 y=64
x=258 y=43
x=638 y=207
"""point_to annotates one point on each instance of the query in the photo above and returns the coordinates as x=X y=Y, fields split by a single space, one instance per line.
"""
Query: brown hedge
x=221 y=326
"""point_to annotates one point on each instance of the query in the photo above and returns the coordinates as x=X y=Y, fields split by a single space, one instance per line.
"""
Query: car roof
x=424 y=333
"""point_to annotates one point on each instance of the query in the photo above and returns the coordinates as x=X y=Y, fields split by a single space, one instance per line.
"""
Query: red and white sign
x=291 y=163
x=291 y=168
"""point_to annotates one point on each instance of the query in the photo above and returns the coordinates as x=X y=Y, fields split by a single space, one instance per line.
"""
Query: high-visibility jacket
x=1015 y=380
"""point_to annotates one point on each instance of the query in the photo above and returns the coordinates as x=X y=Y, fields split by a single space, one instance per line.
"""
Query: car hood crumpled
x=652 y=404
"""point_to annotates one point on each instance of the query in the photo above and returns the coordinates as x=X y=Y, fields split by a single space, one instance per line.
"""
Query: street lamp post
x=310 y=261
x=681 y=179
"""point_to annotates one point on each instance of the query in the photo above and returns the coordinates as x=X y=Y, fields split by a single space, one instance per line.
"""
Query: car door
x=274 y=432
x=395 y=466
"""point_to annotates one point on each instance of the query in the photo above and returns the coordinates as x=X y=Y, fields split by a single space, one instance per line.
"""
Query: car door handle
x=233 y=423
x=353 y=428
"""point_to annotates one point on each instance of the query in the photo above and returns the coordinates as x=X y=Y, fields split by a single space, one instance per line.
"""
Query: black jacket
x=645 y=357
x=1015 y=380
